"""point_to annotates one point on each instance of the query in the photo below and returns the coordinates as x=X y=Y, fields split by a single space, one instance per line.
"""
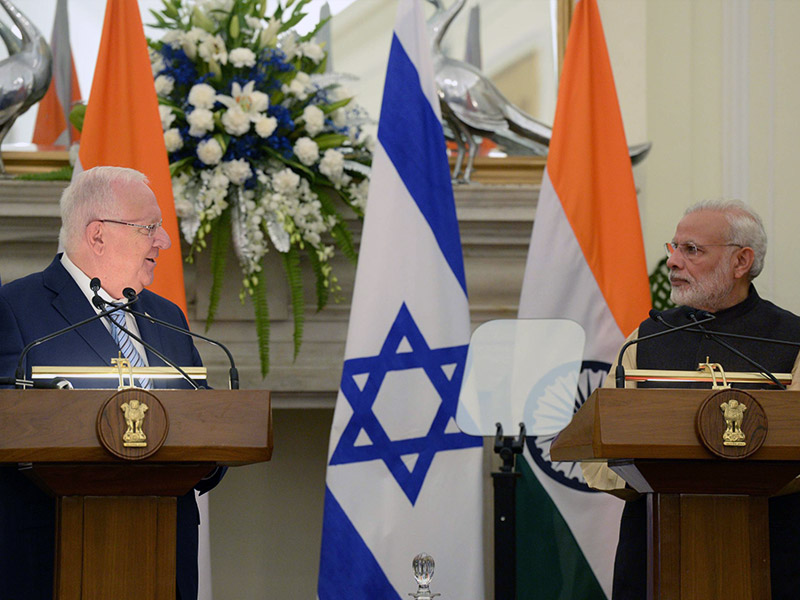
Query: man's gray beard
x=707 y=294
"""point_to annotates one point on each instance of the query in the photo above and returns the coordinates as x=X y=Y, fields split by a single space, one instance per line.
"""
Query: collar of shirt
x=84 y=284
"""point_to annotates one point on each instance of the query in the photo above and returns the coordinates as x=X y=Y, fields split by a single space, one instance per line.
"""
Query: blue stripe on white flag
x=420 y=159
x=343 y=551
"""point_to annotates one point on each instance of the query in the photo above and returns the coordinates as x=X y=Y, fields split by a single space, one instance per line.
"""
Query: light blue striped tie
x=126 y=346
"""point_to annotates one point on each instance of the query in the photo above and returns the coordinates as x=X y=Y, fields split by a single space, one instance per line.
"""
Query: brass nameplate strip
x=701 y=377
x=113 y=372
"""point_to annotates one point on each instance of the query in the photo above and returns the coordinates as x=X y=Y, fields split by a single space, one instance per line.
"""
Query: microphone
x=619 y=374
x=132 y=297
x=21 y=371
x=233 y=373
x=713 y=335
x=57 y=383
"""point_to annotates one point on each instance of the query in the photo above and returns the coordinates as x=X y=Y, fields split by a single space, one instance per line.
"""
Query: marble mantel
x=495 y=223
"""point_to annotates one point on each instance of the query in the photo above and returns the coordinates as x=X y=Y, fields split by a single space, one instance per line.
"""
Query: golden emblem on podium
x=733 y=413
x=134 y=436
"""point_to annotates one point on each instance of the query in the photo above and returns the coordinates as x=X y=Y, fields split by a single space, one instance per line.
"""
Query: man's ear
x=95 y=237
x=743 y=262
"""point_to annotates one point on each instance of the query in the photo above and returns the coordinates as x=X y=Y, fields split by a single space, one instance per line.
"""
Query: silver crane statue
x=25 y=73
x=473 y=107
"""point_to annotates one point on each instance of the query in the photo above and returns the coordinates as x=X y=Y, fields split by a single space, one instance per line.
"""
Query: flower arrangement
x=265 y=149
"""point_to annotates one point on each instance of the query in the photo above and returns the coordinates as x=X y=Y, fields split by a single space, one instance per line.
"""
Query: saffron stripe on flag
x=586 y=263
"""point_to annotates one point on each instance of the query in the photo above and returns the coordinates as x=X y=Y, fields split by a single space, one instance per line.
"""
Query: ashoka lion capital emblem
x=733 y=412
x=134 y=411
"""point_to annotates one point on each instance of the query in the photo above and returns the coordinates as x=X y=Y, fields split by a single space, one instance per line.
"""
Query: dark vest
x=754 y=317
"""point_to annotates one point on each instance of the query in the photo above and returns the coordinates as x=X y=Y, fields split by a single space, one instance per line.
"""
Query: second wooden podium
x=707 y=473
x=116 y=461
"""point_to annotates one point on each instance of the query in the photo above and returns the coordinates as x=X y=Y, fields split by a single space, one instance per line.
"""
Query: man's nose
x=161 y=239
x=675 y=260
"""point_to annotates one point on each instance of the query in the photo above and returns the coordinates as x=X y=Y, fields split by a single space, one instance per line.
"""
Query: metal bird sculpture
x=473 y=107
x=25 y=73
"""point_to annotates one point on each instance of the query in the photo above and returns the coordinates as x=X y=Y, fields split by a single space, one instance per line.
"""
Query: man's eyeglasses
x=150 y=230
x=691 y=250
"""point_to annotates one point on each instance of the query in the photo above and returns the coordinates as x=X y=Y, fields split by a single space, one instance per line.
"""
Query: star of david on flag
x=361 y=385
x=402 y=479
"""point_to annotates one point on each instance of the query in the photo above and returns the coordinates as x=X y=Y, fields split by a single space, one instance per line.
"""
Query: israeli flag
x=402 y=479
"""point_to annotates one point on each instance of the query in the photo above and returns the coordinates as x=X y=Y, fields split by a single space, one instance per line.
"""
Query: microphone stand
x=132 y=297
x=21 y=374
x=712 y=335
x=233 y=373
x=619 y=374
x=505 y=513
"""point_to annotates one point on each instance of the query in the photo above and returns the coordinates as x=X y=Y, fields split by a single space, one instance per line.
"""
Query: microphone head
x=62 y=384
x=99 y=302
x=129 y=293
x=94 y=284
x=701 y=314
x=654 y=314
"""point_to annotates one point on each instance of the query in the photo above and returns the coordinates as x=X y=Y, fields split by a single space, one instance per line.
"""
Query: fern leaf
x=323 y=291
x=261 y=310
x=220 y=240
x=291 y=263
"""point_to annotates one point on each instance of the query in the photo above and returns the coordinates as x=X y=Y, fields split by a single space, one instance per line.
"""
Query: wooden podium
x=708 y=530
x=116 y=502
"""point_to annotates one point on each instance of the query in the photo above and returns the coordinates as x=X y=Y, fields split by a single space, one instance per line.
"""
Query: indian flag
x=586 y=263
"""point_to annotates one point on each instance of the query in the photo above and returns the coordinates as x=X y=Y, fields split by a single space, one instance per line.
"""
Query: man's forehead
x=703 y=226
x=135 y=194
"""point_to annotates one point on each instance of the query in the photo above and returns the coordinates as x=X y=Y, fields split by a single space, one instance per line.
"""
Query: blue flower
x=284 y=117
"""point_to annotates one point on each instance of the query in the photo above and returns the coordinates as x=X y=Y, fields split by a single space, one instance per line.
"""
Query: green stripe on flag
x=550 y=564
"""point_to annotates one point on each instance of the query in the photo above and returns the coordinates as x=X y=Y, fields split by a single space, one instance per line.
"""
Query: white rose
x=265 y=126
x=156 y=62
x=242 y=57
x=164 y=85
x=238 y=171
x=306 y=151
x=201 y=121
x=219 y=179
x=312 y=51
x=298 y=86
x=285 y=182
x=173 y=140
x=236 y=121
x=339 y=118
x=209 y=151
x=167 y=116
x=332 y=165
x=314 y=119
x=202 y=95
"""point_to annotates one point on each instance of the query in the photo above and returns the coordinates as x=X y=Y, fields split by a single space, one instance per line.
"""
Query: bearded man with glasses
x=111 y=229
x=716 y=252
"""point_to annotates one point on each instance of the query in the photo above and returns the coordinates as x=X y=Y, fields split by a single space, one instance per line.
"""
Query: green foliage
x=259 y=297
x=219 y=253
x=660 y=287
x=323 y=290
x=291 y=264
x=62 y=174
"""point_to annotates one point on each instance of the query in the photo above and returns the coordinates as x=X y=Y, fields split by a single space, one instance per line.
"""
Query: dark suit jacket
x=33 y=307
